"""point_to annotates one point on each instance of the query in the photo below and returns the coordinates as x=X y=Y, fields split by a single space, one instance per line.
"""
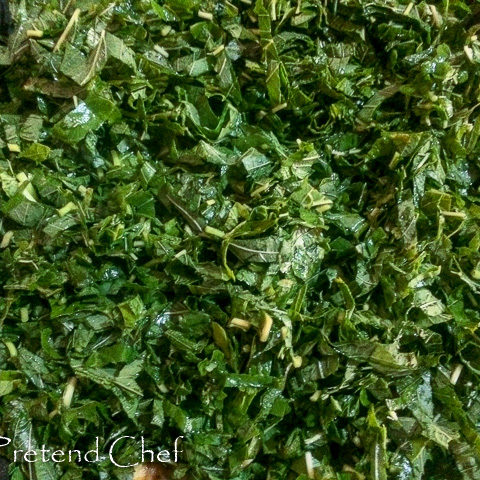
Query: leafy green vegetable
x=254 y=224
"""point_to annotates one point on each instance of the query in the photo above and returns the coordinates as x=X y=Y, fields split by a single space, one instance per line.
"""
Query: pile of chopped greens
x=251 y=223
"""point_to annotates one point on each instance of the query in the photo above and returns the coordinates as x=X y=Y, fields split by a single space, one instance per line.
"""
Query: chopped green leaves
x=253 y=224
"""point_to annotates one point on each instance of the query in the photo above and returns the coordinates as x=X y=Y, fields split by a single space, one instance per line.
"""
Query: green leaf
x=25 y=212
x=36 y=152
x=77 y=124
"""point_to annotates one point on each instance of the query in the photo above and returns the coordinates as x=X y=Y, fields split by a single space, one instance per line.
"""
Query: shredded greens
x=254 y=224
